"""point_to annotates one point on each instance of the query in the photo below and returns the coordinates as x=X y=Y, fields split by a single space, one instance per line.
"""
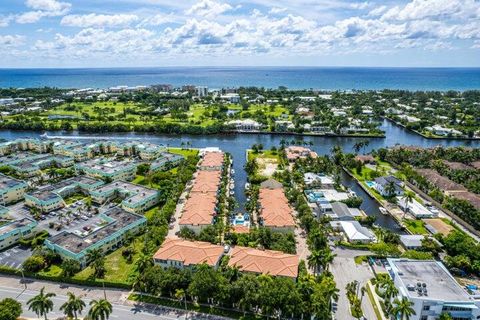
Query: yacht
x=383 y=211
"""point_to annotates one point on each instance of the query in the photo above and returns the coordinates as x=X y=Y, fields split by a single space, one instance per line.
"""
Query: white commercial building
x=432 y=290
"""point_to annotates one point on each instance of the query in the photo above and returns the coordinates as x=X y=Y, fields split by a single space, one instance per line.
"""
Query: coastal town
x=164 y=223
x=194 y=109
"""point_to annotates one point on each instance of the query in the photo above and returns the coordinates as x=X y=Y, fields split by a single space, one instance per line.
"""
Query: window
x=426 y=308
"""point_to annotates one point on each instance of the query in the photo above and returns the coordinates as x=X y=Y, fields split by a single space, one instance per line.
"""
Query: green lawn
x=118 y=269
x=52 y=271
x=184 y=152
x=74 y=198
x=415 y=226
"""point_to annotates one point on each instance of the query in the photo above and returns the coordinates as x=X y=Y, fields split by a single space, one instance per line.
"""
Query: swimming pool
x=370 y=184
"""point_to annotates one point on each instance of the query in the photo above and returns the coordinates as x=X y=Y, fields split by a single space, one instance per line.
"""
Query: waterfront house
x=354 y=231
x=275 y=211
x=384 y=184
x=245 y=125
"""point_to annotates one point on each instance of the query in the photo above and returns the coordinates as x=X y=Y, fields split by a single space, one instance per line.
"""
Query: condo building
x=108 y=169
x=11 y=190
x=136 y=198
x=12 y=231
x=107 y=234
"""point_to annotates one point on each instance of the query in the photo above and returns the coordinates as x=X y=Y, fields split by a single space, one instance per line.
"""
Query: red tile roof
x=212 y=159
x=270 y=262
x=275 y=210
x=189 y=252
x=199 y=209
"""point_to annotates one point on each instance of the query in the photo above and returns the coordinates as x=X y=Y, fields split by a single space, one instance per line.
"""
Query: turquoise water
x=371 y=184
x=332 y=78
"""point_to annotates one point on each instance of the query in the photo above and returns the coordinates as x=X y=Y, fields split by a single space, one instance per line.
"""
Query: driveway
x=345 y=270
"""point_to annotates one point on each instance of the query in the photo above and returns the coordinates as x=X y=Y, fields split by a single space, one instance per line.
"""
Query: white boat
x=44 y=135
x=232 y=192
x=247 y=186
x=383 y=210
x=233 y=171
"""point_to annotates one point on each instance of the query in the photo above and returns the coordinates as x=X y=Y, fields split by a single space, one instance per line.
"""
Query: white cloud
x=11 y=40
x=43 y=8
x=277 y=10
x=48 y=5
x=98 y=20
x=208 y=8
x=435 y=9
x=159 y=19
x=5 y=20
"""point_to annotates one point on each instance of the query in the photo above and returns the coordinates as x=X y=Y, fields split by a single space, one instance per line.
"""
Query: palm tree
x=94 y=255
x=390 y=189
x=143 y=262
x=402 y=309
x=181 y=295
x=73 y=306
x=314 y=260
x=99 y=310
x=41 y=304
x=408 y=198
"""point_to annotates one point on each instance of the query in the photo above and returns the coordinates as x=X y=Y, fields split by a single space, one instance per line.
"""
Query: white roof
x=355 y=232
x=410 y=241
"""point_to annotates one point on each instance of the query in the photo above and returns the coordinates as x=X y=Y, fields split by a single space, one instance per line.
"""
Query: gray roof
x=341 y=209
x=271 y=184
x=439 y=282
x=409 y=240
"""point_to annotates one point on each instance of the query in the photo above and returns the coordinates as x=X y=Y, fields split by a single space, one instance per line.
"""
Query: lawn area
x=415 y=226
x=265 y=154
x=378 y=313
x=184 y=152
x=118 y=269
x=74 y=198
x=52 y=271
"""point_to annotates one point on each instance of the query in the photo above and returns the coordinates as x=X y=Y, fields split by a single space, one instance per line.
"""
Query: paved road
x=179 y=208
x=345 y=270
x=11 y=287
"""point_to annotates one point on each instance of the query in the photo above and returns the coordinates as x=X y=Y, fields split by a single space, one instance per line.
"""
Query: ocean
x=326 y=78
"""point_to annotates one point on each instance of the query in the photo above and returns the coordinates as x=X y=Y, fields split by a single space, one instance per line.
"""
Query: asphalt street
x=122 y=308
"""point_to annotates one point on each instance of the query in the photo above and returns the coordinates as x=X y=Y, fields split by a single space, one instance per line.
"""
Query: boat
x=233 y=171
x=232 y=192
x=247 y=186
x=44 y=135
x=383 y=211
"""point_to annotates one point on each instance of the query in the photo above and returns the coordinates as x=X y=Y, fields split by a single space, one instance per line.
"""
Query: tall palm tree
x=314 y=260
x=408 y=197
x=143 y=262
x=41 y=304
x=73 y=306
x=402 y=309
x=94 y=255
x=100 y=309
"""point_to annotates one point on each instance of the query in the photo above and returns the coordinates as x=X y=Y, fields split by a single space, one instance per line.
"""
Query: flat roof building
x=432 y=290
x=12 y=231
x=136 y=198
x=166 y=161
x=11 y=190
x=108 y=169
x=107 y=234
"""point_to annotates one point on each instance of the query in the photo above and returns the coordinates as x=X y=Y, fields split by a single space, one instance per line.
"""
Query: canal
x=236 y=144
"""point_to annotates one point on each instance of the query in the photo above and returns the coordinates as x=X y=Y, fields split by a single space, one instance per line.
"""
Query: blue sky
x=129 y=33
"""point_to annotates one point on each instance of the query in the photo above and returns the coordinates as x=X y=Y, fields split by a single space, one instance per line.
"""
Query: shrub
x=34 y=263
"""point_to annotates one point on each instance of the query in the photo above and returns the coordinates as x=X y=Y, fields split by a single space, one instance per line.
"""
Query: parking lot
x=14 y=257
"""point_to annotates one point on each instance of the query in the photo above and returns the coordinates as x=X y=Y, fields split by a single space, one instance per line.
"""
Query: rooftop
x=439 y=181
x=189 y=252
x=275 y=212
x=199 y=209
x=108 y=166
x=270 y=262
x=7 y=182
x=440 y=284
x=116 y=219
x=135 y=192
x=212 y=159
x=207 y=181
